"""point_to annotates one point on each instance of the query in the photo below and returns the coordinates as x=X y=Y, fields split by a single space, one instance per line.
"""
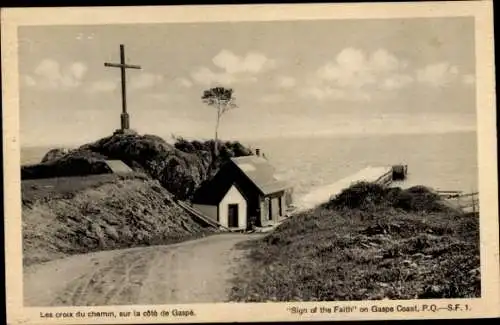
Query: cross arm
x=119 y=65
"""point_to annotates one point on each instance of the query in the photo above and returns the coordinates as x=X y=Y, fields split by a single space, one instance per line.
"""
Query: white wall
x=208 y=210
x=275 y=208
x=233 y=196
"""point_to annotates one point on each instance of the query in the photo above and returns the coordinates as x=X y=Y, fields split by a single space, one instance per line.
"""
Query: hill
x=66 y=216
x=367 y=243
x=180 y=168
x=73 y=204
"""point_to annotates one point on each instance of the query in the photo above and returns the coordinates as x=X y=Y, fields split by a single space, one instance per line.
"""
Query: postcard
x=246 y=163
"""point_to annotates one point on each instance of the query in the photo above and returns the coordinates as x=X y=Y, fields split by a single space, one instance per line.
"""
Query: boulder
x=54 y=154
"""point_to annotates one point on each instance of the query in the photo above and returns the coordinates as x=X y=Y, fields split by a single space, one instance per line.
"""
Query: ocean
x=442 y=161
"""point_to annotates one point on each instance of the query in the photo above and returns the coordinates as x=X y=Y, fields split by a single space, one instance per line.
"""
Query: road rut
x=197 y=271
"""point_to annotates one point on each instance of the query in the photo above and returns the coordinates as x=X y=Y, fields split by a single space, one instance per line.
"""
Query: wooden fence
x=468 y=202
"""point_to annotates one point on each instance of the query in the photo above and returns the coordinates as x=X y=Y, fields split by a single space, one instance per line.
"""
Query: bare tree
x=222 y=99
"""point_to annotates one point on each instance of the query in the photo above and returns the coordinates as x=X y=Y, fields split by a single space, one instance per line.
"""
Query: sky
x=290 y=78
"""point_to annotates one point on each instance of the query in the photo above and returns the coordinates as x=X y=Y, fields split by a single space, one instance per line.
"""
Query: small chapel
x=245 y=193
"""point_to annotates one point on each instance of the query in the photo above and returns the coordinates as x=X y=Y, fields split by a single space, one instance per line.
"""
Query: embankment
x=180 y=167
x=367 y=243
x=73 y=203
x=67 y=216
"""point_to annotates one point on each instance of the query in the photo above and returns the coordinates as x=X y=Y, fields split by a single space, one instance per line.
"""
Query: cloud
x=438 y=74
x=252 y=62
x=358 y=76
x=184 y=82
x=101 y=86
x=352 y=68
x=382 y=60
x=145 y=80
x=78 y=70
x=82 y=36
x=206 y=76
x=170 y=98
x=469 y=79
x=286 y=82
x=396 y=81
x=368 y=75
x=160 y=97
x=29 y=81
x=233 y=68
x=48 y=68
x=329 y=92
x=272 y=98
x=49 y=74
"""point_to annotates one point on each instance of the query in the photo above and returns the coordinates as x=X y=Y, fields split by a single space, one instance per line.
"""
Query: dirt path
x=189 y=272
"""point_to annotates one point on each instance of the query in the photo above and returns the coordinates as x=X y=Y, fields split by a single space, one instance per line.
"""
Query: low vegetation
x=225 y=151
x=66 y=216
x=73 y=204
x=180 y=168
x=367 y=243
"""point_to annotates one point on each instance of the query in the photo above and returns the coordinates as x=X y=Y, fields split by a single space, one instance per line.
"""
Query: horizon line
x=252 y=139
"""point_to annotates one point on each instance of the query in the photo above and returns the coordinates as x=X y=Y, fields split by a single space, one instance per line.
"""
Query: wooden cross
x=125 y=123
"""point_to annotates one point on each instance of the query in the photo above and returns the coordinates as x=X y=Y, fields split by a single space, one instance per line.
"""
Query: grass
x=180 y=168
x=368 y=243
x=67 y=216
x=46 y=189
x=72 y=204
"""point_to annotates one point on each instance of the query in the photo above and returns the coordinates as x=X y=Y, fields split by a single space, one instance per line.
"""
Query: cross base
x=125 y=132
x=125 y=121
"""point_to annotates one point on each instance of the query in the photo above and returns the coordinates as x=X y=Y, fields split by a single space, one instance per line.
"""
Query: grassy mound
x=74 y=163
x=226 y=150
x=180 y=168
x=73 y=204
x=367 y=196
x=54 y=154
x=367 y=243
x=62 y=216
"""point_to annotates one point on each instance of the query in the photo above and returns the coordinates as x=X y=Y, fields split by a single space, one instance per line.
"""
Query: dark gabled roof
x=258 y=171
x=261 y=173
x=212 y=192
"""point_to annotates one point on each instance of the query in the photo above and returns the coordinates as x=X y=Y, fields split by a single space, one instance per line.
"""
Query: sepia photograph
x=250 y=161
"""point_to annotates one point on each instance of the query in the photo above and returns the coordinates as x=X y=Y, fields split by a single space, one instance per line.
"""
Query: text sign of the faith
x=125 y=123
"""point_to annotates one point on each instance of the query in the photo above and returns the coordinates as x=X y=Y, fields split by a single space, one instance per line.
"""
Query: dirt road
x=189 y=272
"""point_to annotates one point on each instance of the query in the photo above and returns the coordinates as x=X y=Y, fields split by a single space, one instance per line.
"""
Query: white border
x=486 y=306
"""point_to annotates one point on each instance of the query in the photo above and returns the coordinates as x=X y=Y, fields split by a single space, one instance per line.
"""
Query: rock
x=54 y=154
x=180 y=172
x=125 y=132
x=436 y=289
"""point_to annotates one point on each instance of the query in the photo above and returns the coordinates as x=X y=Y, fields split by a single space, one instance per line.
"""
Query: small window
x=270 y=205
